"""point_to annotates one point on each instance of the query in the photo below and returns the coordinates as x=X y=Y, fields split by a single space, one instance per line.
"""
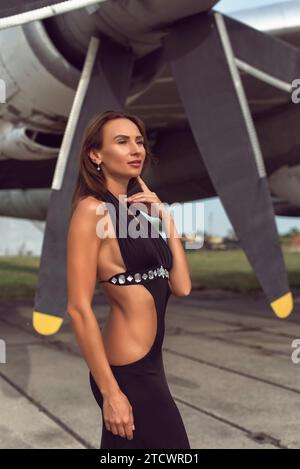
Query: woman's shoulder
x=89 y=204
x=87 y=208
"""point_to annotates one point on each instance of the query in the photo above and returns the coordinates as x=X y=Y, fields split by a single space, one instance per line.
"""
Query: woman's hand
x=149 y=200
x=117 y=415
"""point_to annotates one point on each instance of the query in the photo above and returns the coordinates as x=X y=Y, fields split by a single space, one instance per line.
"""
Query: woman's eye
x=123 y=141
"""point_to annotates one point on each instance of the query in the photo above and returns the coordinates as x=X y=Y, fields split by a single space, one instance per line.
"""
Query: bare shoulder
x=89 y=204
x=88 y=211
x=90 y=208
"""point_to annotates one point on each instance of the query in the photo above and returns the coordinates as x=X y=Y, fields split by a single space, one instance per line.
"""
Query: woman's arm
x=179 y=276
x=82 y=255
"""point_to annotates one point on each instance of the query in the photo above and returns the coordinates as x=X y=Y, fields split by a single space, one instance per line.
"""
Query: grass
x=229 y=270
x=18 y=276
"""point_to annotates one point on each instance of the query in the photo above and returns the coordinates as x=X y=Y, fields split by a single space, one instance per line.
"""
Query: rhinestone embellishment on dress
x=137 y=277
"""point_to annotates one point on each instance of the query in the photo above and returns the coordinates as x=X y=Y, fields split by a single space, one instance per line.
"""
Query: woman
x=137 y=273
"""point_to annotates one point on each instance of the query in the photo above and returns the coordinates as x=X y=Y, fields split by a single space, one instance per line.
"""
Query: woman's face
x=122 y=143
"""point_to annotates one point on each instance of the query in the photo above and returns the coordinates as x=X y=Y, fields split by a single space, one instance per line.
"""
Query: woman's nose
x=135 y=148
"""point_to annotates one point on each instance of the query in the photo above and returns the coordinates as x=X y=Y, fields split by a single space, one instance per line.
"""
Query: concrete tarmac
x=228 y=362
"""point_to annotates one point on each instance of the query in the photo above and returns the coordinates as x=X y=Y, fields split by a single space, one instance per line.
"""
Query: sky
x=16 y=235
x=231 y=5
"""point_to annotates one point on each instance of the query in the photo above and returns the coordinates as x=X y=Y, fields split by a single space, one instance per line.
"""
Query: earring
x=98 y=167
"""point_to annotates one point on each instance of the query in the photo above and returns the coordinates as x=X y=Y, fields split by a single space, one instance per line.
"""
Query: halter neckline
x=115 y=197
x=127 y=205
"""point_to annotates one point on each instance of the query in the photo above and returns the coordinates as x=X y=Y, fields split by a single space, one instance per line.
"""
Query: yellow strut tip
x=283 y=306
x=46 y=324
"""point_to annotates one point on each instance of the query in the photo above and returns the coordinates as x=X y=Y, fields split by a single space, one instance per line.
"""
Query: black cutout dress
x=148 y=259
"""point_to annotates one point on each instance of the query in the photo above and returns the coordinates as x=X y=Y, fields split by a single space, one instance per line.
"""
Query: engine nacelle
x=285 y=183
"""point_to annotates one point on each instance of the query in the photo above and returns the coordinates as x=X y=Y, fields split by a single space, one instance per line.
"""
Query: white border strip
x=240 y=93
x=45 y=12
x=74 y=113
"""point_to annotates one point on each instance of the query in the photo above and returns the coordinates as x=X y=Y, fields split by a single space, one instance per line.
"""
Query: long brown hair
x=89 y=180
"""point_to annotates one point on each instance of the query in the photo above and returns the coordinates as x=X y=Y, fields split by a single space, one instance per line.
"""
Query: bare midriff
x=130 y=328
